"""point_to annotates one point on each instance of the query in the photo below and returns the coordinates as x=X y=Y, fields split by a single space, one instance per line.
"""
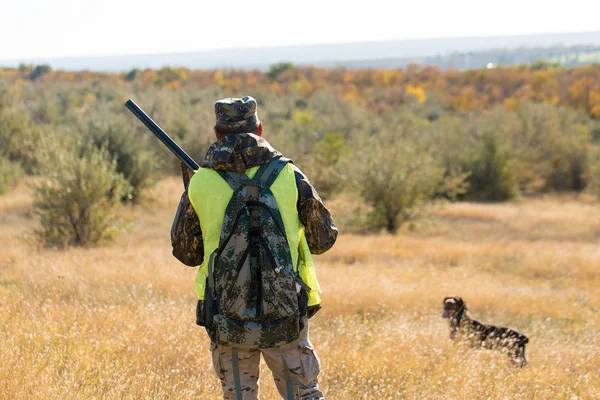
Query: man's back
x=255 y=297
x=228 y=187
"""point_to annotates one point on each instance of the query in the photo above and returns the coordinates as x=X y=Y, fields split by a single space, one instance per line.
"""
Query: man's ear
x=259 y=129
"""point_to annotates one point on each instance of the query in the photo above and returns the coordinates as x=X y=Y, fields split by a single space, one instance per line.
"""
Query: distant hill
x=458 y=52
x=568 y=56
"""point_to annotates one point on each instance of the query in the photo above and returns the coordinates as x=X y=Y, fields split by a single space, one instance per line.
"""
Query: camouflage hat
x=234 y=113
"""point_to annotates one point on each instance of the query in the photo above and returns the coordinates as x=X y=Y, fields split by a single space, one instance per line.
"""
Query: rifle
x=162 y=135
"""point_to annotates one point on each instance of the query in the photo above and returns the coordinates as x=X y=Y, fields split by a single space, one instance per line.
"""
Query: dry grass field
x=117 y=322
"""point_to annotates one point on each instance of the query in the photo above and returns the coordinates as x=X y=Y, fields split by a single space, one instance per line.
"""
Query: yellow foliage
x=89 y=98
x=349 y=77
x=378 y=89
x=252 y=80
x=302 y=117
x=510 y=103
x=219 y=79
x=579 y=91
x=275 y=87
x=466 y=101
x=173 y=85
x=235 y=83
x=542 y=79
x=524 y=92
x=184 y=74
x=351 y=93
x=302 y=87
x=594 y=104
x=417 y=92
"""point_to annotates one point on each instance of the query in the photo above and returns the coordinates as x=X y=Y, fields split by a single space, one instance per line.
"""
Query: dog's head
x=453 y=305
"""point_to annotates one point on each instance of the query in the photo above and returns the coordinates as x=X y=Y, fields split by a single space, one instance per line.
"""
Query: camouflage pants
x=301 y=360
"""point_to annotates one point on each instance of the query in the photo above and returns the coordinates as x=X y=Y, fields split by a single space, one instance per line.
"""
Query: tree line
x=375 y=89
x=394 y=140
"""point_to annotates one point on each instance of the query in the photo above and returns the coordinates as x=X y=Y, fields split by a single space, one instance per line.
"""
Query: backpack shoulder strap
x=267 y=173
x=234 y=179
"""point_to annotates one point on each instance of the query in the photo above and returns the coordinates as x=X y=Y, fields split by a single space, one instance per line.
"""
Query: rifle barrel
x=162 y=135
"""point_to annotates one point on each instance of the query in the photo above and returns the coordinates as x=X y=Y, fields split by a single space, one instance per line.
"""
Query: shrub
x=493 y=173
x=132 y=154
x=19 y=139
x=551 y=145
x=18 y=136
x=452 y=146
x=395 y=174
x=323 y=169
x=76 y=201
x=9 y=173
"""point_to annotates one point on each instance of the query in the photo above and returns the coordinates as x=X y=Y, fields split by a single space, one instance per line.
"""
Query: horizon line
x=294 y=45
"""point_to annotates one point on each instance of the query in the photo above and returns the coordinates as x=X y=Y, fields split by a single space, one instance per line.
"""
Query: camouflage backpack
x=254 y=297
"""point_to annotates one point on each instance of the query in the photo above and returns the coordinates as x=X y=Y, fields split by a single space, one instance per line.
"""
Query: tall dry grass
x=118 y=321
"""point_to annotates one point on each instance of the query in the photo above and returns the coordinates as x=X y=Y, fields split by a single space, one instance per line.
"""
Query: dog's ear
x=460 y=302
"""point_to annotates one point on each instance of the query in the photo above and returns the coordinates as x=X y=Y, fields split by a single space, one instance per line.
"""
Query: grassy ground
x=118 y=321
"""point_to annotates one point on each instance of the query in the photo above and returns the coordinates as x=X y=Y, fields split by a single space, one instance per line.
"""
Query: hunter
x=251 y=219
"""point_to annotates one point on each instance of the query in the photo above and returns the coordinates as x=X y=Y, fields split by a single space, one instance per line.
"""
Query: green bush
x=493 y=173
x=395 y=174
x=134 y=159
x=537 y=148
x=9 y=174
x=18 y=135
x=480 y=150
x=77 y=200
x=323 y=168
x=452 y=146
x=551 y=145
x=19 y=139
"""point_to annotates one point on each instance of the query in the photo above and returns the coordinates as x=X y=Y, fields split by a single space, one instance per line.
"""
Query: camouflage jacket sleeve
x=186 y=236
x=320 y=229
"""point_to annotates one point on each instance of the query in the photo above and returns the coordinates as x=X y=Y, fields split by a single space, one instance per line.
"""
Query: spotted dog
x=465 y=328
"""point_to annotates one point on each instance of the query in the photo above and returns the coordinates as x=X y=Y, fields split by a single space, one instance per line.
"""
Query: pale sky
x=62 y=28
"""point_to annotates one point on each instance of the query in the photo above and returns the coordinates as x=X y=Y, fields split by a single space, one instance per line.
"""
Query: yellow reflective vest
x=209 y=195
